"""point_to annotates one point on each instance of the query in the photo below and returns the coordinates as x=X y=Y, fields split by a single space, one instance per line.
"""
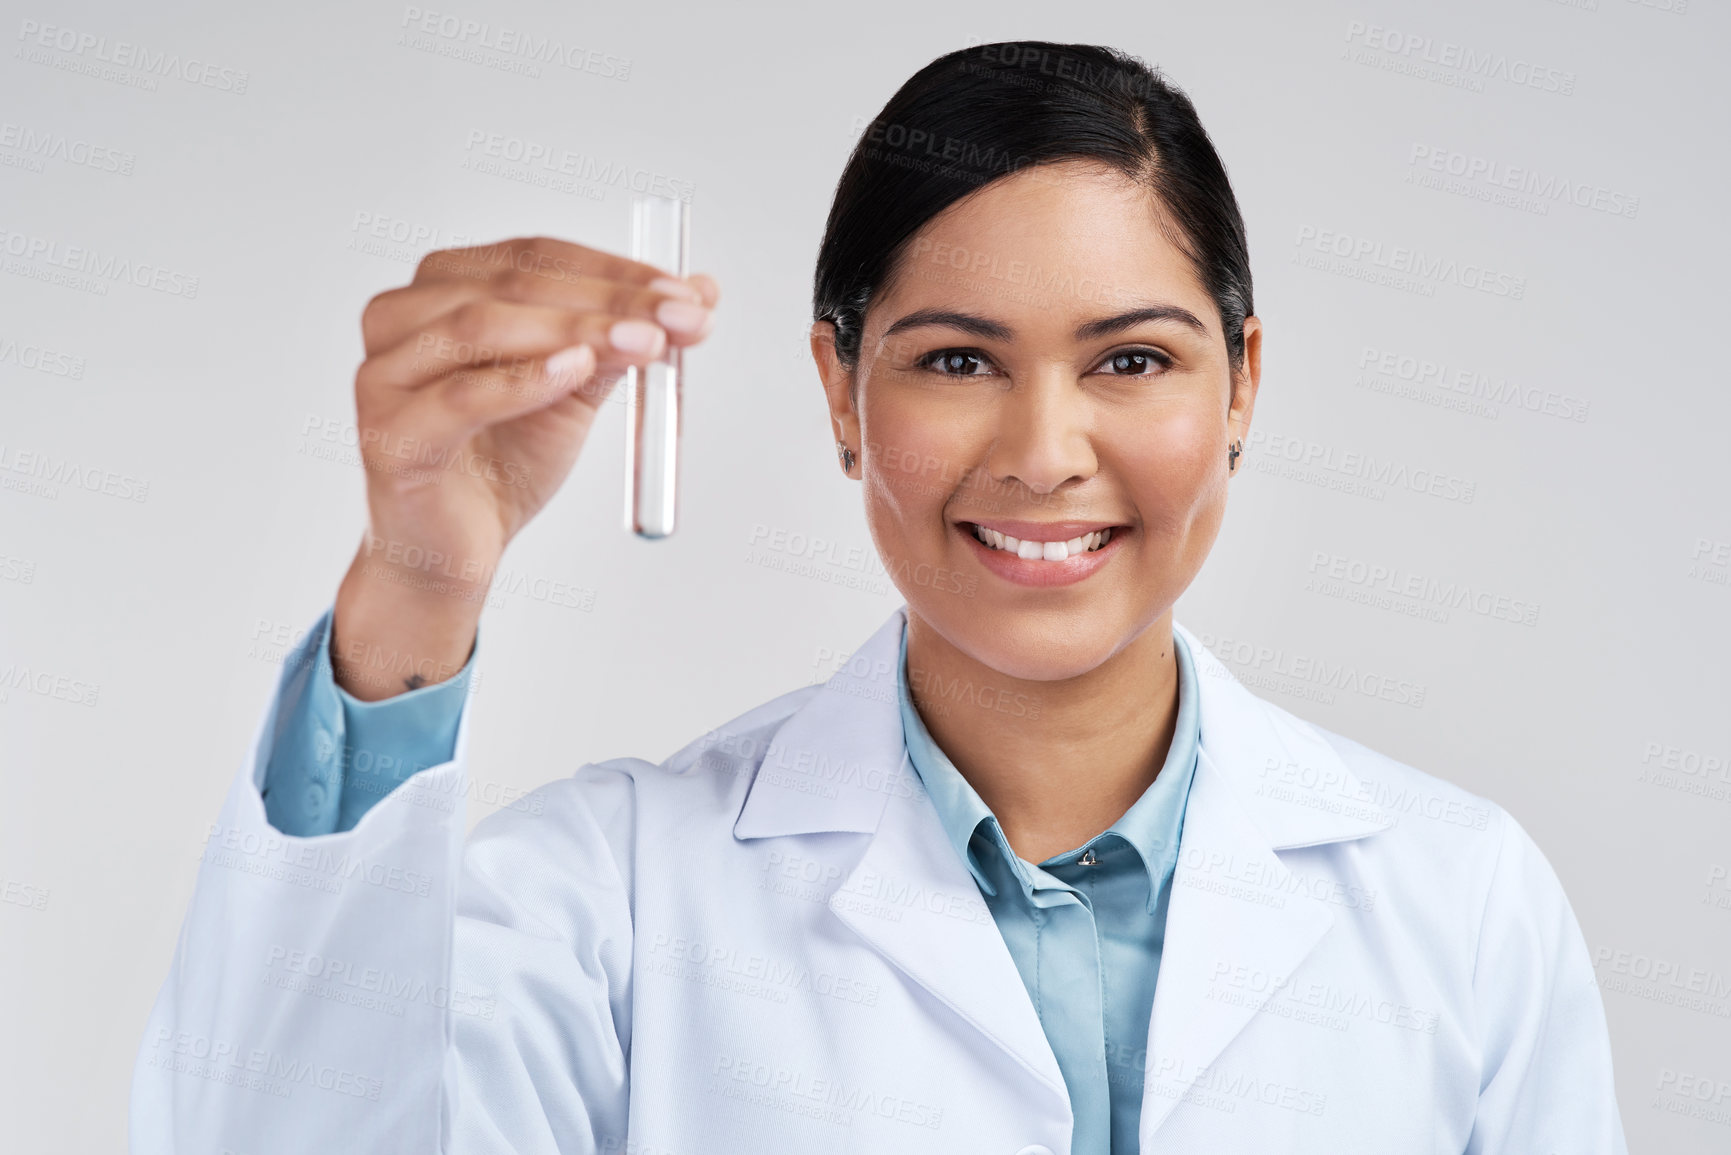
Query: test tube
x=660 y=236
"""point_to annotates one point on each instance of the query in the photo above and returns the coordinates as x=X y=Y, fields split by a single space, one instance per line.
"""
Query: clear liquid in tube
x=660 y=236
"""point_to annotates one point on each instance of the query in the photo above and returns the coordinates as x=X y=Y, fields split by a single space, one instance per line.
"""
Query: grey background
x=1595 y=725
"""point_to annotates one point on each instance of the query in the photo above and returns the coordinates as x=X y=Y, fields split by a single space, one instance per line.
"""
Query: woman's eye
x=954 y=362
x=1134 y=363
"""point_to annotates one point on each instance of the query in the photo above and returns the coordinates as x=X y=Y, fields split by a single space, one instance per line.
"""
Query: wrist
x=396 y=628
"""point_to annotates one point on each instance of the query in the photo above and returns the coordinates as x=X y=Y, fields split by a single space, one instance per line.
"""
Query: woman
x=1031 y=873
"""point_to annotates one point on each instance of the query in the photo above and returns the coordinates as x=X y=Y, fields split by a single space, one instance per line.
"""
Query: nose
x=1044 y=436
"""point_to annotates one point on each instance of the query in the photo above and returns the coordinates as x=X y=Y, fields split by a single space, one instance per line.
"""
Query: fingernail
x=681 y=315
x=676 y=288
x=568 y=362
x=634 y=336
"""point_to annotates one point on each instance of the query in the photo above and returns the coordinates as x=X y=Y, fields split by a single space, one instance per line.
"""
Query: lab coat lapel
x=1216 y=921
x=839 y=763
x=1232 y=903
x=915 y=902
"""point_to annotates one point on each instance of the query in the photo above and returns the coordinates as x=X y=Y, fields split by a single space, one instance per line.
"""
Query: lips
x=1043 y=553
x=1043 y=549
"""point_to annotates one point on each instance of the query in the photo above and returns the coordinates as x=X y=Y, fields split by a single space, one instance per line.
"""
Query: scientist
x=1145 y=911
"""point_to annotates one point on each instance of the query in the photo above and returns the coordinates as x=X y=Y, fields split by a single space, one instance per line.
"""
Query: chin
x=1029 y=646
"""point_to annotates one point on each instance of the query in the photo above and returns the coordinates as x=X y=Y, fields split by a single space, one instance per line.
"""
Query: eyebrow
x=1088 y=330
x=1106 y=326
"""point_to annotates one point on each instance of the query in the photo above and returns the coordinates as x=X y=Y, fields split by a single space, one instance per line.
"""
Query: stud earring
x=846 y=456
x=1232 y=453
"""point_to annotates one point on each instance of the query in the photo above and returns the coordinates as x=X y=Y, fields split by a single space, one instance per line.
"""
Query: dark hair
x=981 y=113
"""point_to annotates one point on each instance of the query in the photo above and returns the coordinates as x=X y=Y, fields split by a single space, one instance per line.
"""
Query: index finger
x=546 y=257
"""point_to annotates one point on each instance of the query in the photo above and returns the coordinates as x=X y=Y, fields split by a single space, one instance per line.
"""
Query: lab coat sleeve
x=385 y=989
x=1545 y=1076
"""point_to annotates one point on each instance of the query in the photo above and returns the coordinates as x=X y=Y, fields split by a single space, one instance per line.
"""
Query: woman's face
x=1043 y=365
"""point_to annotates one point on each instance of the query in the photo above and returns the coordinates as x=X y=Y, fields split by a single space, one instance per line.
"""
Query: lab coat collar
x=1264 y=781
x=1150 y=826
x=838 y=758
x=835 y=761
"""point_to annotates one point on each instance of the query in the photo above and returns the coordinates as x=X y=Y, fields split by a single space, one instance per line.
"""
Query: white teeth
x=1043 y=550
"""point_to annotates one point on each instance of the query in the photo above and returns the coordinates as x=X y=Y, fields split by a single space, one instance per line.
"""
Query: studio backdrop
x=1482 y=522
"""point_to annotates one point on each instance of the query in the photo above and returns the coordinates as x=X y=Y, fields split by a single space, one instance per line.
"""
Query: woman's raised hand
x=481 y=381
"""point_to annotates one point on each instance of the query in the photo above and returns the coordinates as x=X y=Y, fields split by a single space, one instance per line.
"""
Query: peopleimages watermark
x=17 y=569
x=1392 y=371
x=22 y=677
x=976 y=267
x=33 y=146
x=1307 y=675
x=277 y=643
x=400 y=239
x=23 y=894
x=306 y=862
x=1446 y=62
x=1485 y=178
x=122 y=61
x=1663 y=980
x=1399 y=266
x=1317 y=1003
x=828 y=1099
x=1351 y=471
x=41 y=473
x=1689 y=771
x=913 y=146
x=932 y=692
x=727 y=967
x=1696 y=1096
x=1718 y=892
x=40 y=358
x=484 y=151
x=1374 y=797
x=254 y=1068
x=828 y=560
x=366 y=987
x=1212 y=1086
x=470 y=40
x=1710 y=561
x=87 y=269
x=414 y=458
x=1333 y=573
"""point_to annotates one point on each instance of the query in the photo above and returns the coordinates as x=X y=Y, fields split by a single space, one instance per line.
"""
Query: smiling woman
x=1060 y=418
x=1032 y=873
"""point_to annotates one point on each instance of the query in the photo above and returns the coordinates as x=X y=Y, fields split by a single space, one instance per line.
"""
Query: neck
x=1060 y=774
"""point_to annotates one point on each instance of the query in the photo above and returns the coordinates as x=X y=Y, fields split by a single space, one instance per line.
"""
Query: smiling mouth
x=1041 y=550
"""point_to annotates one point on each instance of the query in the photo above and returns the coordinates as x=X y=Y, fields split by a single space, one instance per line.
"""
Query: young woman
x=1032 y=873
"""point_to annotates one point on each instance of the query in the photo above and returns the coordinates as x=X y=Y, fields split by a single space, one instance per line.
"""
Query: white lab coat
x=767 y=944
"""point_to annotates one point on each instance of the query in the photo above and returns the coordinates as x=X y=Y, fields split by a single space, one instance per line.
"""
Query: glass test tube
x=660 y=236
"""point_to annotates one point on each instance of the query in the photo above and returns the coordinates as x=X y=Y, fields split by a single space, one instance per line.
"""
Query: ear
x=838 y=388
x=1245 y=383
